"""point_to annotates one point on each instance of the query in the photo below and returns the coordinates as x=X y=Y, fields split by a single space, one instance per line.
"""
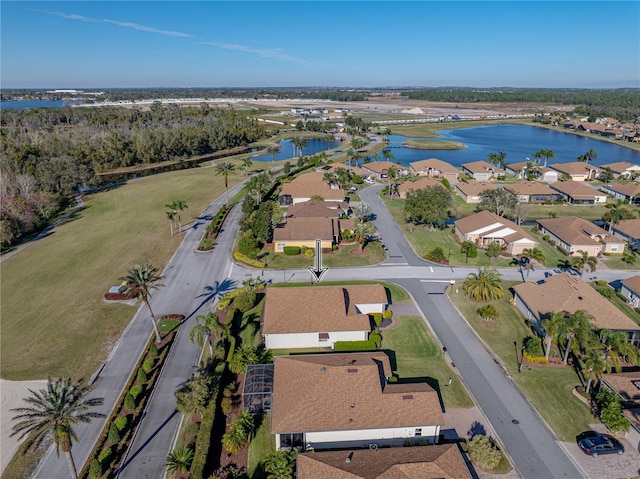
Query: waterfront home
x=485 y=228
x=482 y=170
x=524 y=169
x=572 y=234
x=533 y=192
x=318 y=316
x=434 y=168
x=577 y=193
x=577 y=170
x=420 y=184
x=333 y=401
x=622 y=169
x=305 y=186
x=471 y=190
x=379 y=169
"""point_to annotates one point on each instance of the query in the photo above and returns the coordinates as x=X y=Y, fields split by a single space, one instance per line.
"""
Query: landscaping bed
x=213 y=229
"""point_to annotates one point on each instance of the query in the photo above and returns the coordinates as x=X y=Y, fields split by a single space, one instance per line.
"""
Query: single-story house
x=578 y=193
x=333 y=401
x=630 y=289
x=379 y=169
x=354 y=170
x=532 y=192
x=303 y=187
x=442 y=461
x=317 y=209
x=318 y=316
x=629 y=192
x=305 y=231
x=525 y=168
x=470 y=190
x=434 y=168
x=622 y=169
x=421 y=184
x=567 y=293
x=627 y=386
x=484 y=228
x=572 y=234
x=482 y=170
x=577 y=170
x=628 y=229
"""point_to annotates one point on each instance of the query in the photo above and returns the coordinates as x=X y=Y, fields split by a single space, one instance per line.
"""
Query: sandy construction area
x=11 y=394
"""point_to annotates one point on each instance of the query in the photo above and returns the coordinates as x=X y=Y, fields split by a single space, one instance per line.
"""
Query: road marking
x=431 y=269
x=394 y=264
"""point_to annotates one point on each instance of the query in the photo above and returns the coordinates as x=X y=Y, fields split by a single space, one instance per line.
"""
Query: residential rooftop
x=576 y=189
x=574 y=168
x=474 y=187
x=488 y=224
x=441 y=166
x=481 y=167
x=633 y=283
x=529 y=188
x=574 y=230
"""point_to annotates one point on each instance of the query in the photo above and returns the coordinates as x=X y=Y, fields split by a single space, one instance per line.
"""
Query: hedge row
x=242 y=258
x=213 y=229
x=355 y=346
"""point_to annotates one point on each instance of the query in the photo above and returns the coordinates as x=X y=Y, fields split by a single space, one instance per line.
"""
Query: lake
x=289 y=152
x=21 y=105
x=519 y=142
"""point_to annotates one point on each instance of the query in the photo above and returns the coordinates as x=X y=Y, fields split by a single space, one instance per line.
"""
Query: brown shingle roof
x=629 y=227
x=315 y=309
x=340 y=392
x=573 y=168
x=380 y=166
x=442 y=166
x=310 y=184
x=317 y=209
x=633 y=283
x=620 y=167
x=623 y=384
x=576 y=190
x=474 y=187
x=486 y=219
x=482 y=167
x=564 y=292
x=574 y=230
x=630 y=189
x=418 y=185
x=305 y=229
x=432 y=462
x=529 y=188
x=356 y=170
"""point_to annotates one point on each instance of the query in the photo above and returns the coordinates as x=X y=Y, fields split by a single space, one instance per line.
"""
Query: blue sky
x=319 y=43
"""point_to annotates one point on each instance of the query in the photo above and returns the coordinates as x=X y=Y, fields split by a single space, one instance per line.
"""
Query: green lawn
x=547 y=388
x=434 y=145
x=54 y=322
x=418 y=356
x=346 y=256
x=615 y=262
x=552 y=255
x=261 y=445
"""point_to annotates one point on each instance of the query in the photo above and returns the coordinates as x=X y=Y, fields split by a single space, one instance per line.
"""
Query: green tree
x=176 y=207
x=54 y=412
x=194 y=395
x=484 y=285
x=611 y=411
x=430 y=205
x=280 y=464
x=483 y=452
x=363 y=212
x=300 y=142
x=392 y=176
x=576 y=329
x=498 y=159
x=388 y=155
x=468 y=249
x=493 y=251
x=593 y=366
x=179 y=460
x=588 y=156
x=272 y=150
x=141 y=280
x=583 y=260
x=499 y=201
x=546 y=154
x=488 y=312
x=246 y=165
x=223 y=168
x=553 y=326
x=204 y=329
x=171 y=216
x=616 y=213
x=361 y=231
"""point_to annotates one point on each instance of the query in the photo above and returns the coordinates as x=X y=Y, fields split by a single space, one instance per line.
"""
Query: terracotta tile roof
x=319 y=308
x=530 y=188
x=428 y=462
x=418 y=185
x=310 y=184
x=623 y=384
x=380 y=166
x=576 y=189
x=633 y=283
x=473 y=187
x=574 y=230
x=341 y=392
x=621 y=167
x=630 y=189
x=492 y=226
x=629 y=227
x=304 y=229
x=564 y=292
x=574 y=168
x=317 y=209
x=482 y=167
x=442 y=166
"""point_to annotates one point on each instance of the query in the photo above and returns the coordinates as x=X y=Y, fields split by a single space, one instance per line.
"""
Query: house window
x=281 y=246
x=291 y=441
x=418 y=432
x=614 y=249
x=323 y=336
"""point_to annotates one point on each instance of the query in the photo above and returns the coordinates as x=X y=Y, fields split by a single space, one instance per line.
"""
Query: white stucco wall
x=630 y=295
x=311 y=340
x=367 y=308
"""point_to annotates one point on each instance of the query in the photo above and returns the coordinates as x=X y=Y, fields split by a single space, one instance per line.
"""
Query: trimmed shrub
x=245 y=301
x=114 y=435
x=376 y=338
x=136 y=390
x=148 y=365
x=142 y=376
x=388 y=314
x=606 y=291
x=355 y=346
x=483 y=453
x=242 y=258
x=436 y=254
x=292 y=250
x=377 y=318
x=533 y=346
x=203 y=441
x=534 y=359
x=357 y=180
x=153 y=350
x=446 y=183
x=248 y=245
x=226 y=405
x=546 y=237
x=105 y=455
x=121 y=423
x=95 y=469
x=309 y=253
x=193 y=429
x=393 y=379
x=129 y=402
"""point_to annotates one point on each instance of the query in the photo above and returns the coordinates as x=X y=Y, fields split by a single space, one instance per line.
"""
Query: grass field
x=549 y=389
x=262 y=444
x=54 y=322
x=434 y=145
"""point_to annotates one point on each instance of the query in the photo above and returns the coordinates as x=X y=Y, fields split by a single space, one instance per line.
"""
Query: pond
x=288 y=150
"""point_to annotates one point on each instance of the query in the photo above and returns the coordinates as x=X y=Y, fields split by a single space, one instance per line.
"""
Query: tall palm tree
x=141 y=280
x=577 y=328
x=588 y=156
x=616 y=213
x=177 y=206
x=246 y=165
x=583 y=260
x=546 y=154
x=272 y=150
x=535 y=254
x=329 y=138
x=392 y=175
x=224 y=168
x=553 y=326
x=203 y=331
x=361 y=231
x=300 y=142
x=171 y=216
x=614 y=342
x=387 y=154
x=484 y=285
x=498 y=159
x=55 y=411
x=594 y=365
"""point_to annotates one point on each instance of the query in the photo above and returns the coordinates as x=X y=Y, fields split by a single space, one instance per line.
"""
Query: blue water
x=21 y=105
x=289 y=151
x=518 y=142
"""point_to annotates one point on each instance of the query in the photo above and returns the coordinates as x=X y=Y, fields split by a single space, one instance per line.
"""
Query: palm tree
x=329 y=138
x=546 y=154
x=177 y=206
x=141 y=280
x=203 y=331
x=616 y=214
x=594 y=365
x=488 y=312
x=484 y=285
x=498 y=159
x=179 y=460
x=583 y=260
x=171 y=216
x=300 y=142
x=361 y=231
x=392 y=175
x=279 y=464
x=257 y=185
x=615 y=343
x=577 y=327
x=246 y=164
x=224 y=168
x=387 y=154
x=588 y=156
x=272 y=150
x=55 y=411
x=553 y=326
x=535 y=254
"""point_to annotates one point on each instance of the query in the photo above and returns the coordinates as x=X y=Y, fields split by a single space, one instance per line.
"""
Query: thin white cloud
x=134 y=26
x=263 y=52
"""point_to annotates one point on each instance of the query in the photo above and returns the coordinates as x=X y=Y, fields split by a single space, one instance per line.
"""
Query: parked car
x=598 y=443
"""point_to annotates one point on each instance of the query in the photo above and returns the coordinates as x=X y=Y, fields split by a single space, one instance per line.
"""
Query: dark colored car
x=596 y=443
